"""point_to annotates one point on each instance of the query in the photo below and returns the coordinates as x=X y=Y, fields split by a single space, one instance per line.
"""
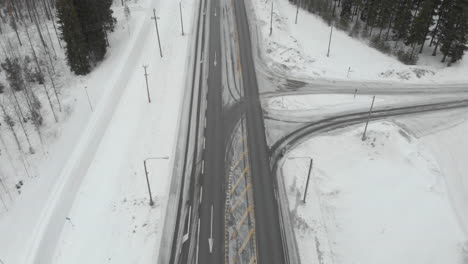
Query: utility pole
x=308 y=174
x=308 y=179
x=355 y=92
x=329 y=42
x=181 y=20
x=157 y=30
x=148 y=184
x=147 y=178
x=271 y=19
x=89 y=100
x=297 y=10
x=368 y=119
x=147 y=86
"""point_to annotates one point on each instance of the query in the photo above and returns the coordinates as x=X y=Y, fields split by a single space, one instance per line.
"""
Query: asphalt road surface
x=206 y=197
x=201 y=215
x=270 y=248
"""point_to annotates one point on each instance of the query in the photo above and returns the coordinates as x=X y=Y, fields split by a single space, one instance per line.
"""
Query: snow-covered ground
x=301 y=51
x=385 y=200
x=87 y=200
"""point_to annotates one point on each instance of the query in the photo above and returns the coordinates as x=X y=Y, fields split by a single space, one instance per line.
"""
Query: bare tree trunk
x=55 y=89
x=2 y=182
x=5 y=114
x=435 y=49
x=40 y=71
x=18 y=105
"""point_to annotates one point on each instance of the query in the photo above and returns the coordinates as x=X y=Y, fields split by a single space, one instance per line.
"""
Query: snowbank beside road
x=91 y=185
x=301 y=50
x=380 y=201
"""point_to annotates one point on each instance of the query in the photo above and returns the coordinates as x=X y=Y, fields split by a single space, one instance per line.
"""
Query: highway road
x=270 y=248
x=203 y=225
x=200 y=234
x=200 y=231
x=289 y=141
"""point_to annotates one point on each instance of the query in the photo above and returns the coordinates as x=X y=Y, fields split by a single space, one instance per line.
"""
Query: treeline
x=84 y=25
x=29 y=56
x=439 y=24
x=33 y=34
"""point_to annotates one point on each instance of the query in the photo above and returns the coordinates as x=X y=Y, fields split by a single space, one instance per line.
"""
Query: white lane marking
x=201 y=194
x=215 y=61
x=210 y=240
x=205 y=122
x=198 y=241
x=186 y=236
x=203 y=167
x=204 y=142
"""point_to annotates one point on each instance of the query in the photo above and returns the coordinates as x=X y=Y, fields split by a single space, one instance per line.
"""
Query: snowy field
x=88 y=192
x=385 y=200
x=301 y=51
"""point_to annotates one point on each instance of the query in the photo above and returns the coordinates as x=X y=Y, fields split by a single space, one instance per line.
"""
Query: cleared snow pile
x=379 y=201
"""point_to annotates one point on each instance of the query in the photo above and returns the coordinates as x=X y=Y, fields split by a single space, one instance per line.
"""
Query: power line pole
x=181 y=20
x=151 y=203
x=368 y=119
x=89 y=100
x=297 y=10
x=271 y=19
x=329 y=42
x=157 y=30
x=308 y=179
x=147 y=87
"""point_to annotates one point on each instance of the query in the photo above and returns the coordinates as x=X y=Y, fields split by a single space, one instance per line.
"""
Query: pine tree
x=13 y=71
x=96 y=19
x=346 y=12
x=421 y=24
x=104 y=6
x=447 y=32
x=403 y=18
x=76 y=46
x=460 y=38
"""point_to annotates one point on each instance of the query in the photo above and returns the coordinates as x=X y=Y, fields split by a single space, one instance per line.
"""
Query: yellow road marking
x=241 y=197
x=246 y=241
x=244 y=216
x=233 y=189
x=239 y=161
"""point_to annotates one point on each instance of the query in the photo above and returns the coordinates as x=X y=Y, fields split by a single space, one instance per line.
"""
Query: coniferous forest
x=402 y=27
x=38 y=38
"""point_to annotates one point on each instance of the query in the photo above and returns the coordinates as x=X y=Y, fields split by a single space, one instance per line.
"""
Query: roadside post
x=147 y=87
x=297 y=11
x=329 y=41
x=89 y=100
x=157 y=30
x=271 y=19
x=311 y=164
x=151 y=203
x=368 y=119
x=181 y=19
